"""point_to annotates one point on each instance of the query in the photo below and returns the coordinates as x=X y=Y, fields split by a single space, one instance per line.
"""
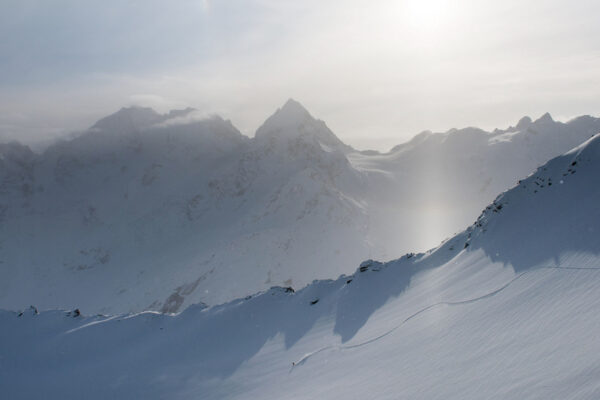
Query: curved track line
x=91 y=324
x=442 y=303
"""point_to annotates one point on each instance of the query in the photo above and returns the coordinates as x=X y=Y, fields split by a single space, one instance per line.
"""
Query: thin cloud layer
x=377 y=74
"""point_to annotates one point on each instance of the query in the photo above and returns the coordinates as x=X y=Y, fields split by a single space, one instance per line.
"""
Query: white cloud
x=189 y=118
x=157 y=102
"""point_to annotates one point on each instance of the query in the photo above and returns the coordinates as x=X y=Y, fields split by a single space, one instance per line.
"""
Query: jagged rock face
x=150 y=211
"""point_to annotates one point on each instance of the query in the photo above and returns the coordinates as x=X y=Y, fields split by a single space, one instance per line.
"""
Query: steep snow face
x=549 y=219
x=505 y=309
x=146 y=211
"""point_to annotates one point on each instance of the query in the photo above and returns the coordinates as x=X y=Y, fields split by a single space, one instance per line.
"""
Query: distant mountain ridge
x=150 y=211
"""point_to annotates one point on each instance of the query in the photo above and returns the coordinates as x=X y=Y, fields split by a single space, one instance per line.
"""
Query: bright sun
x=426 y=15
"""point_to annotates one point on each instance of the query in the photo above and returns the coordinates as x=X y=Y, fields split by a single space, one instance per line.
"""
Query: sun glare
x=426 y=15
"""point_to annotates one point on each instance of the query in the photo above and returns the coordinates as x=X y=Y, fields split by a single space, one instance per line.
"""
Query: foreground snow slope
x=506 y=309
x=156 y=212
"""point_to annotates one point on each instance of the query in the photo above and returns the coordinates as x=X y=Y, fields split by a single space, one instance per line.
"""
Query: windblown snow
x=508 y=308
x=156 y=212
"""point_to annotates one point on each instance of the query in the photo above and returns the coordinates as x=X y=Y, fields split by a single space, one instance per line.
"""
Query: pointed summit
x=292 y=121
x=291 y=115
x=294 y=108
x=544 y=119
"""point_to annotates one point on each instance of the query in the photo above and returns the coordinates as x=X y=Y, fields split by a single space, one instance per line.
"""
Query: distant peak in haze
x=128 y=118
x=293 y=107
x=180 y=113
x=524 y=123
x=293 y=121
x=287 y=118
x=135 y=117
x=544 y=118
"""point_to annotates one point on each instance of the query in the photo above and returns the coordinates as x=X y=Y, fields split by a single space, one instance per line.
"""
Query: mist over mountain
x=422 y=224
x=515 y=292
x=149 y=211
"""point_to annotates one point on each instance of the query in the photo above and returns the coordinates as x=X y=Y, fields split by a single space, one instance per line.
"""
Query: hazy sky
x=377 y=72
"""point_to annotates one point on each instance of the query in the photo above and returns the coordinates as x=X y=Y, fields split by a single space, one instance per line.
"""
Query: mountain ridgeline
x=155 y=212
x=511 y=301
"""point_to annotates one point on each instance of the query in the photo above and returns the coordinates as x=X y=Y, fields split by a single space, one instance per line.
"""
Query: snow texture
x=508 y=308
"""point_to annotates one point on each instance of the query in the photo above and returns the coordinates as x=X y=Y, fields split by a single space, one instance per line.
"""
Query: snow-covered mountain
x=505 y=309
x=434 y=185
x=149 y=211
x=144 y=211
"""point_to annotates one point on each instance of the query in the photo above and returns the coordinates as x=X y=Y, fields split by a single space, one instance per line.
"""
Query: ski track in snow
x=305 y=358
x=91 y=324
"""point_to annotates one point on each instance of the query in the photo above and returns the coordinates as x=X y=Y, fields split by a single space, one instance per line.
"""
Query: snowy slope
x=505 y=309
x=149 y=211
